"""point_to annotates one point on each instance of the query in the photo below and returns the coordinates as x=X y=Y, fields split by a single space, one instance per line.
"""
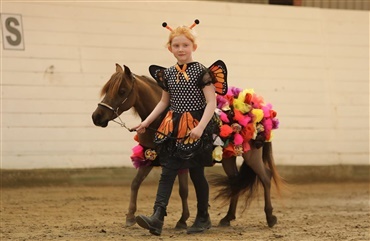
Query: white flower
x=217 y=141
x=217 y=153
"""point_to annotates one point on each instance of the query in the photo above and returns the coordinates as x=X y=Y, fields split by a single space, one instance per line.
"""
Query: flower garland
x=244 y=116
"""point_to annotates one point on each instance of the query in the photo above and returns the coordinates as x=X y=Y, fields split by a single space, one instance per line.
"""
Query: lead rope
x=122 y=124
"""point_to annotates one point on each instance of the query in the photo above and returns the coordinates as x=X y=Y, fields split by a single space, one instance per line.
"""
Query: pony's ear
x=127 y=70
x=118 y=68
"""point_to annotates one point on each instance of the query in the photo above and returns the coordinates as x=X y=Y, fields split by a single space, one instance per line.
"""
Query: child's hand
x=196 y=133
x=140 y=128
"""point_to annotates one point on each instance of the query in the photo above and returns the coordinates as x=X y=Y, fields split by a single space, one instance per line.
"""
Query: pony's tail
x=246 y=181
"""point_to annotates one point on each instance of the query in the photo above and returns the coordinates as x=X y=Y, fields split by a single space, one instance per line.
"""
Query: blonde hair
x=182 y=30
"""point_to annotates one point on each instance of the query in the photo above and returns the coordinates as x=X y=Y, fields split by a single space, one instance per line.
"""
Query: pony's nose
x=96 y=118
x=101 y=117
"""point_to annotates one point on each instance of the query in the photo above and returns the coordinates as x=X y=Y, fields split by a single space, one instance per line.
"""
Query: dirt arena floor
x=316 y=211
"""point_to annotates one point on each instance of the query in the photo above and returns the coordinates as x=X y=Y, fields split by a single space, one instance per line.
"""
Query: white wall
x=312 y=64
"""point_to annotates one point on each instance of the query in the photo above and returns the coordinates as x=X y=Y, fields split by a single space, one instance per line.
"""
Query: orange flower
x=247 y=132
x=273 y=113
x=228 y=151
x=229 y=99
x=248 y=98
x=225 y=131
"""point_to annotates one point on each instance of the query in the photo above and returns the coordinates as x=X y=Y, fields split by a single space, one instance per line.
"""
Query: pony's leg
x=183 y=191
x=253 y=158
x=231 y=170
x=141 y=174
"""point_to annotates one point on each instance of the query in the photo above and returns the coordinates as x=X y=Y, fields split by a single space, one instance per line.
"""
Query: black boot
x=154 y=223
x=202 y=222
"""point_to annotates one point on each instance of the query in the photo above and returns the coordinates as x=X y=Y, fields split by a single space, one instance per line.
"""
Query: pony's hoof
x=181 y=225
x=130 y=221
x=224 y=223
x=272 y=221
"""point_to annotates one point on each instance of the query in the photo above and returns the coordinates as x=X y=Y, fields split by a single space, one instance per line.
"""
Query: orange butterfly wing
x=187 y=123
x=219 y=74
x=166 y=127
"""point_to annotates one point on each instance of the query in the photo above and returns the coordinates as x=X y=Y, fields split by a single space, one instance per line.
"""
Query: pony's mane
x=153 y=84
x=112 y=86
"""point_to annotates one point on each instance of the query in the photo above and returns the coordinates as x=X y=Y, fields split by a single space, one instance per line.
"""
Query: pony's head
x=118 y=96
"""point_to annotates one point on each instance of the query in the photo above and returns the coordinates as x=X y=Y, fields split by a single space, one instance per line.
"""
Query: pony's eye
x=121 y=92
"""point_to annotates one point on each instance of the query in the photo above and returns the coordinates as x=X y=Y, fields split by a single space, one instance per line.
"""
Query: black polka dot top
x=184 y=88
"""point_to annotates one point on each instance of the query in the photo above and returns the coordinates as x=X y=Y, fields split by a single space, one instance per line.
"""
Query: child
x=185 y=135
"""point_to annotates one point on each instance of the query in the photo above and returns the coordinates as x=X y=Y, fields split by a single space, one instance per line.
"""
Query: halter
x=115 y=111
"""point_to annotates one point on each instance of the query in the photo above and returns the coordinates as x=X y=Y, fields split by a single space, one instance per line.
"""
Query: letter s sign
x=12 y=31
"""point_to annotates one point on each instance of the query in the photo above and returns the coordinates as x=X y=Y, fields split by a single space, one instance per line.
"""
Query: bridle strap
x=107 y=106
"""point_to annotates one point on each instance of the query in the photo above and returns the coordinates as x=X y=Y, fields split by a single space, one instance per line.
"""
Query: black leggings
x=167 y=180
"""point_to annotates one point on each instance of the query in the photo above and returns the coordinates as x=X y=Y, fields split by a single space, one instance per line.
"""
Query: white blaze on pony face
x=182 y=48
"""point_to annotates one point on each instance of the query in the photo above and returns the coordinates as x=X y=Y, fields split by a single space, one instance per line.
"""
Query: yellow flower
x=241 y=106
x=246 y=91
x=217 y=153
x=258 y=115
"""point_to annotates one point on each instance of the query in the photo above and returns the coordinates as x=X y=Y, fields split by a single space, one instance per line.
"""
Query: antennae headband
x=164 y=24
x=195 y=23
